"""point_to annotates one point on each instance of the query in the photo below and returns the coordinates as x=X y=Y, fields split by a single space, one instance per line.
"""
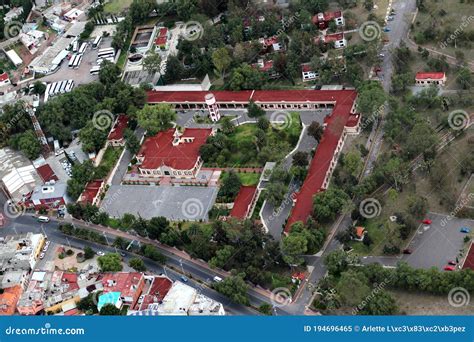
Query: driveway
x=173 y=202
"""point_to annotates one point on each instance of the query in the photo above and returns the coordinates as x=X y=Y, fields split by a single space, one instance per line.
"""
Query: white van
x=43 y=219
x=217 y=279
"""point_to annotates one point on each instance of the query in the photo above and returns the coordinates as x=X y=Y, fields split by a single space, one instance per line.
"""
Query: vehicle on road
x=100 y=253
x=184 y=279
x=386 y=29
x=427 y=221
x=390 y=18
x=452 y=262
x=407 y=251
x=41 y=256
x=43 y=219
x=217 y=279
x=465 y=230
x=449 y=268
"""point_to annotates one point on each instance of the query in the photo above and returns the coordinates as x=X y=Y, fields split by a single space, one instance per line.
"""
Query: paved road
x=399 y=28
x=26 y=224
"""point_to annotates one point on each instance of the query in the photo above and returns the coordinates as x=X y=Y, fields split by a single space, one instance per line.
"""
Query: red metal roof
x=3 y=77
x=333 y=37
x=159 y=150
x=469 y=261
x=46 y=173
x=327 y=16
x=242 y=201
x=306 y=67
x=158 y=290
x=91 y=190
x=321 y=161
x=197 y=96
x=429 y=75
x=120 y=125
x=267 y=65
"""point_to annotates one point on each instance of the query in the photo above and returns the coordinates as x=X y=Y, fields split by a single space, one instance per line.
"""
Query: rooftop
x=45 y=192
x=243 y=201
x=429 y=75
x=469 y=261
x=126 y=283
x=46 y=173
x=91 y=190
x=173 y=149
x=119 y=127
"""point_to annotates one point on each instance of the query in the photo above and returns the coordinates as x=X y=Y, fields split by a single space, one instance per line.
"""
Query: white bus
x=83 y=47
x=97 y=42
x=75 y=61
x=95 y=70
x=78 y=62
x=106 y=52
x=75 y=46
x=62 y=87
x=69 y=85
x=110 y=59
x=72 y=60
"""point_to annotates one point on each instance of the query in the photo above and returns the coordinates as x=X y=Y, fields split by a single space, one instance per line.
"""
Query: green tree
x=39 y=88
x=315 y=130
x=235 y=288
x=109 y=310
x=464 y=78
x=92 y=138
x=109 y=73
x=371 y=97
x=137 y=264
x=156 y=118
x=254 y=111
x=27 y=143
x=110 y=262
x=293 y=247
x=352 y=288
x=152 y=62
x=382 y=303
x=132 y=143
x=300 y=158
x=88 y=253
x=328 y=204
x=221 y=60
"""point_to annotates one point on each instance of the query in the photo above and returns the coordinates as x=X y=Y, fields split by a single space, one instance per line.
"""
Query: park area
x=116 y=6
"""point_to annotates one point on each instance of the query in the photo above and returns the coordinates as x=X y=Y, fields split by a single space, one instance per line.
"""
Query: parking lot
x=436 y=244
x=173 y=202
x=82 y=74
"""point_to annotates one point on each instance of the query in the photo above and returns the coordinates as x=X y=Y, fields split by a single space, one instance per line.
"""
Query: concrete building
x=128 y=285
x=115 y=137
x=51 y=195
x=176 y=299
x=322 y=20
x=18 y=256
x=92 y=192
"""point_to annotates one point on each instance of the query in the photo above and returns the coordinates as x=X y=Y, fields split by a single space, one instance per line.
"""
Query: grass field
x=116 y=6
x=245 y=178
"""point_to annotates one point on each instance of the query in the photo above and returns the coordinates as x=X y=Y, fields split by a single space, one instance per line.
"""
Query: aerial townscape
x=241 y=157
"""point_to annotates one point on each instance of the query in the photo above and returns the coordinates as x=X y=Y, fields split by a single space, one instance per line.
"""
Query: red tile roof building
x=342 y=121
x=158 y=290
x=469 y=261
x=46 y=173
x=92 y=192
x=4 y=79
x=337 y=39
x=429 y=78
x=116 y=137
x=244 y=202
x=161 y=40
x=322 y=20
x=8 y=300
x=173 y=153
x=129 y=284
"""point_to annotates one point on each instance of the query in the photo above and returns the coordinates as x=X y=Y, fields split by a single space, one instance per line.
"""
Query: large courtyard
x=173 y=202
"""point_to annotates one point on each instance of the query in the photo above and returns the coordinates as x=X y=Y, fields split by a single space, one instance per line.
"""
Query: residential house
x=430 y=78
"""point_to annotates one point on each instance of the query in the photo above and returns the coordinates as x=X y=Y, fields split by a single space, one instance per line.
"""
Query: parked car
x=427 y=221
x=407 y=251
x=452 y=262
x=465 y=230
x=449 y=268
x=184 y=279
x=41 y=256
x=100 y=253
x=43 y=219
x=217 y=279
x=390 y=18
x=386 y=29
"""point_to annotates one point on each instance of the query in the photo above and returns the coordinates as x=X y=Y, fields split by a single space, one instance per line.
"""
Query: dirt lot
x=423 y=304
